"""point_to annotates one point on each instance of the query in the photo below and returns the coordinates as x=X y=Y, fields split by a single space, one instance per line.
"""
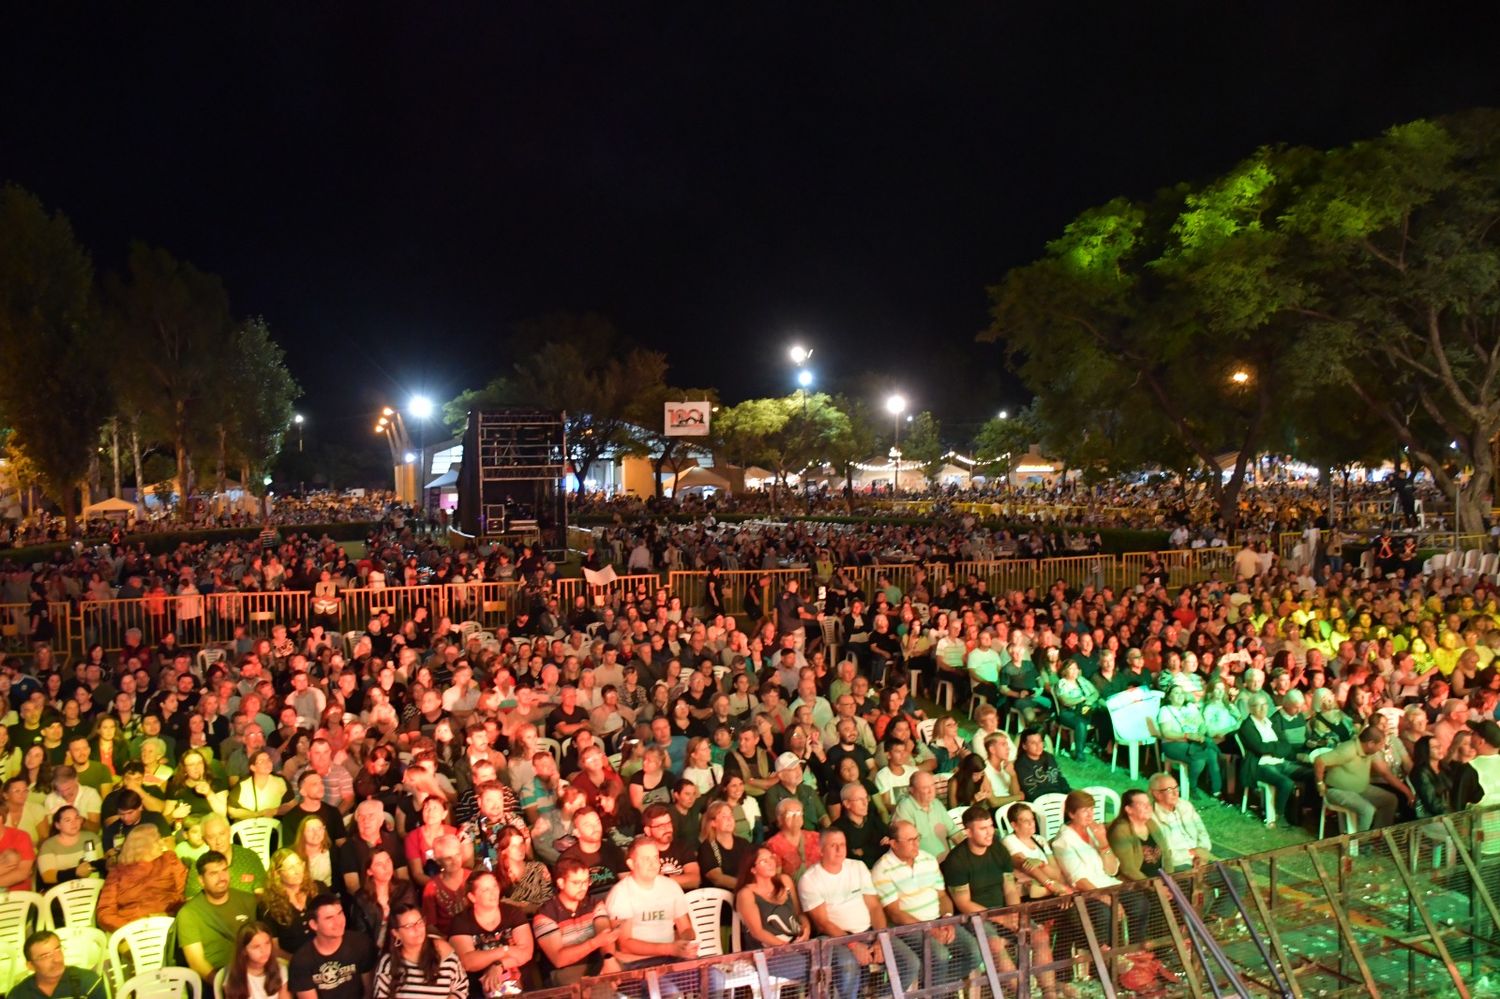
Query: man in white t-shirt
x=839 y=897
x=649 y=911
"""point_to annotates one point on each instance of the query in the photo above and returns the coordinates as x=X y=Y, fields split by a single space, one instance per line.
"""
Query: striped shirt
x=450 y=980
x=913 y=887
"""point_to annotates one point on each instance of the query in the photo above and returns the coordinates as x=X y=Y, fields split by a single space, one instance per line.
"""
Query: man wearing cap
x=789 y=784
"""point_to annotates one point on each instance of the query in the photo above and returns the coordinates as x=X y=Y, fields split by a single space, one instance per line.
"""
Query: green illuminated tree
x=922 y=444
x=784 y=434
x=858 y=439
x=1154 y=319
x=54 y=378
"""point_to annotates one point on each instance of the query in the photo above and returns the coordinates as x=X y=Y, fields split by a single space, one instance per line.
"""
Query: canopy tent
x=699 y=477
x=448 y=480
x=113 y=508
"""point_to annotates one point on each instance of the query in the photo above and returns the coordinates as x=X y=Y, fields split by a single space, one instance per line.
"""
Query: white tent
x=699 y=476
x=113 y=508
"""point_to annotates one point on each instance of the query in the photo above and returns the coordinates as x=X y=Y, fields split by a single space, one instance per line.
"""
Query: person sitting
x=70 y=852
x=254 y=972
x=1268 y=758
x=417 y=964
x=765 y=898
x=1037 y=769
x=51 y=977
x=568 y=929
x=379 y=895
x=146 y=879
x=1184 y=738
x=797 y=848
x=207 y=925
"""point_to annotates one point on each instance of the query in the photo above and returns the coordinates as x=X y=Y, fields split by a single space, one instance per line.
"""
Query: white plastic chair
x=552 y=746
x=162 y=983
x=1104 y=796
x=83 y=947
x=467 y=628
x=140 y=945
x=20 y=912
x=925 y=728
x=257 y=835
x=208 y=656
x=1051 y=813
x=1469 y=564
x=76 y=900
x=351 y=639
x=1129 y=711
x=706 y=908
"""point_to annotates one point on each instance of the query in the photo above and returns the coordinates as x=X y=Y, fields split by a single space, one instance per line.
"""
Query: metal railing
x=214 y=618
x=1409 y=910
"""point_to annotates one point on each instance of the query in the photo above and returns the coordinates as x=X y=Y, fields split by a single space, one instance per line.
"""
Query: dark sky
x=393 y=186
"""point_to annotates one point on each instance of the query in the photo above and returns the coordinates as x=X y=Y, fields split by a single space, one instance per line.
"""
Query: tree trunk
x=114 y=447
x=223 y=459
x=135 y=454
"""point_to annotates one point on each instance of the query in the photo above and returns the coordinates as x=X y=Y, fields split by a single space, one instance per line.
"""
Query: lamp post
x=895 y=404
x=297 y=419
x=420 y=407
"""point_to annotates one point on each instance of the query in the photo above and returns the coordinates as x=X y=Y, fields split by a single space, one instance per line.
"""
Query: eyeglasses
x=1167 y=789
x=412 y=925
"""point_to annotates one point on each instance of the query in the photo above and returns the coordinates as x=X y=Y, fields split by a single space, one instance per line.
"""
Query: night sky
x=393 y=186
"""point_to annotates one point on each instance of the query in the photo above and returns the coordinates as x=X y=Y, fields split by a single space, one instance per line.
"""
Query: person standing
x=333 y=964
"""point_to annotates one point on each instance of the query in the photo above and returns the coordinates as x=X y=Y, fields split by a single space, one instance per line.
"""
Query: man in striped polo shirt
x=573 y=929
x=911 y=889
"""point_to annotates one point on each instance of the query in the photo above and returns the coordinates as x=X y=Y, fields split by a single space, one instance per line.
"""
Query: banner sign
x=687 y=419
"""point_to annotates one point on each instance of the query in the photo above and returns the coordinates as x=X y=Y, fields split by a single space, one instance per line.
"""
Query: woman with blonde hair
x=147 y=879
x=283 y=905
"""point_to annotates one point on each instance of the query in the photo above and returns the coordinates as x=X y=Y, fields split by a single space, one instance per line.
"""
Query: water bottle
x=90 y=853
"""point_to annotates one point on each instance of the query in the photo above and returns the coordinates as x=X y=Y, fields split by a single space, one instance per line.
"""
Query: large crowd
x=464 y=812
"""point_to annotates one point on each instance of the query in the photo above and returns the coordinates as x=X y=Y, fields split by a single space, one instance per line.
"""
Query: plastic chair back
x=20 y=913
x=141 y=947
x=1104 y=796
x=1050 y=811
x=71 y=903
x=257 y=835
x=162 y=983
x=705 y=909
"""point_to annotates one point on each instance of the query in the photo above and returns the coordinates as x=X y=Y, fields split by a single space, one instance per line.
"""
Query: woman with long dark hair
x=254 y=972
x=417 y=965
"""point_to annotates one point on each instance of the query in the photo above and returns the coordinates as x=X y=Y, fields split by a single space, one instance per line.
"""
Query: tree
x=173 y=328
x=856 y=440
x=922 y=446
x=1395 y=246
x=784 y=433
x=258 y=394
x=666 y=453
x=582 y=366
x=54 y=378
x=1156 y=317
x=1000 y=441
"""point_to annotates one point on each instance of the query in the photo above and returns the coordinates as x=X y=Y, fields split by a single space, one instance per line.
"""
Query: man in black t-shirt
x=309 y=803
x=679 y=859
x=333 y=964
x=864 y=833
x=1037 y=769
x=603 y=859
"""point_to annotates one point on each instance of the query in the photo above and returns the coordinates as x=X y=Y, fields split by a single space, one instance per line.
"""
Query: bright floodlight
x=387 y=411
x=1004 y=414
x=410 y=457
x=804 y=378
x=296 y=417
x=420 y=407
x=800 y=354
x=1240 y=377
x=895 y=404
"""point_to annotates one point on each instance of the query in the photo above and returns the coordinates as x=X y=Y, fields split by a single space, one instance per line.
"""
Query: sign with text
x=687 y=419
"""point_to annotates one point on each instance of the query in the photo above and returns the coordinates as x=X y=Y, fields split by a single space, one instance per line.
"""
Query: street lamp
x=805 y=379
x=895 y=404
x=1004 y=414
x=297 y=419
x=1240 y=377
x=420 y=407
x=799 y=355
